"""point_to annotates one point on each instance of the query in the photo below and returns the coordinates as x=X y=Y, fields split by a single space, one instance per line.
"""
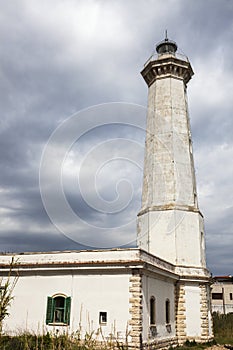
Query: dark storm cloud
x=59 y=57
x=13 y=241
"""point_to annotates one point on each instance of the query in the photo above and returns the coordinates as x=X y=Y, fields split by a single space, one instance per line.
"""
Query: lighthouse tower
x=170 y=224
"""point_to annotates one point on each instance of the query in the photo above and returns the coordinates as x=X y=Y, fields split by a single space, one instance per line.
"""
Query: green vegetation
x=7 y=285
x=223 y=328
x=27 y=341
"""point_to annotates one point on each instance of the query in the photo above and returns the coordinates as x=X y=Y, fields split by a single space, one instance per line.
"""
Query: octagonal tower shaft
x=169 y=178
x=169 y=223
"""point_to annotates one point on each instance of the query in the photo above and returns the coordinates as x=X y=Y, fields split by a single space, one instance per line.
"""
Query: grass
x=223 y=330
x=195 y=346
x=28 y=341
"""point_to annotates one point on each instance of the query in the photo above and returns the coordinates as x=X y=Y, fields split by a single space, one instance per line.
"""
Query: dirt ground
x=217 y=347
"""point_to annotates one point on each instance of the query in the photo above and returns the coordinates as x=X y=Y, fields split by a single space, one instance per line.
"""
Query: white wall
x=90 y=294
x=193 y=314
x=173 y=235
x=168 y=170
x=161 y=290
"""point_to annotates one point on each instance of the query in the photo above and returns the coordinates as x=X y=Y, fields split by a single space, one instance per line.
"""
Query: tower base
x=193 y=312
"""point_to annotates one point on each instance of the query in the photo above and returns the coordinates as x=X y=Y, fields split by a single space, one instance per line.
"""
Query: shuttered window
x=67 y=310
x=50 y=312
x=58 y=310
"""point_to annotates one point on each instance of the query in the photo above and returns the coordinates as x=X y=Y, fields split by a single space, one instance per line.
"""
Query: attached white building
x=93 y=289
x=125 y=292
x=157 y=293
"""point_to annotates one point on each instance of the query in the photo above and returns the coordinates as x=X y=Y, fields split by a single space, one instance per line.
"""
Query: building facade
x=222 y=294
x=157 y=293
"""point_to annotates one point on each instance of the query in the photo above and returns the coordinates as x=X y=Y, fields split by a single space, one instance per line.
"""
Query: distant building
x=222 y=294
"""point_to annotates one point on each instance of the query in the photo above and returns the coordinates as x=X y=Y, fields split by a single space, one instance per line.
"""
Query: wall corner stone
x=135 y=301
x=180 y=312
x=205 y=308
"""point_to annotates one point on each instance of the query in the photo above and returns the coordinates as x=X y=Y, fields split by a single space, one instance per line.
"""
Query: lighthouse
x=170 y=224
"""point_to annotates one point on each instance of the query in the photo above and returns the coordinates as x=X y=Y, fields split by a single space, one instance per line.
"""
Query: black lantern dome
x=166 y=46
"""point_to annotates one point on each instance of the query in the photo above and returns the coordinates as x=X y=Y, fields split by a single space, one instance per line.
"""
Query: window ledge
x=57 y=324
x=153 y=331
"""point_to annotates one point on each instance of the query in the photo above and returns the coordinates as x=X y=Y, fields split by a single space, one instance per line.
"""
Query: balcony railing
x=156 y=56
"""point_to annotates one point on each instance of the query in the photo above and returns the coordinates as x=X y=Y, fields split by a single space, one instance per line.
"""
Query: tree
x=7 y=285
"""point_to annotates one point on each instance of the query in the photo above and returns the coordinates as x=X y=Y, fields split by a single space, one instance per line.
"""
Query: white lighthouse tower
x=170 y=224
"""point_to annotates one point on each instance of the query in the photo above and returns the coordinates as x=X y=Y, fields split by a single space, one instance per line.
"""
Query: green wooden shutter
x=50 y=310
x=67 y=310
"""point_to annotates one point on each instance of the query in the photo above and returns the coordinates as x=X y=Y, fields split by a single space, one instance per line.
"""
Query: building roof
x=228 y=278
x=116 y=259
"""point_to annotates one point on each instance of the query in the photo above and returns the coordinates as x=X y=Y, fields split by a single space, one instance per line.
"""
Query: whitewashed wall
x=90 y=294
x=174 y=235
x=161 y=290
x=193 y=313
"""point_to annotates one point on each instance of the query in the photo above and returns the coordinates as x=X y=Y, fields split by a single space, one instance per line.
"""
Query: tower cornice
x=171 y=206
x=167 y=66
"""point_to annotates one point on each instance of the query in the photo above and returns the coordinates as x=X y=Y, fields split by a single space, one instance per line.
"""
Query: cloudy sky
x=71 y=69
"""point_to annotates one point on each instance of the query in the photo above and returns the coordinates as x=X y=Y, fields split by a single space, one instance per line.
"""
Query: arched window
x=167 y=311
x=152 y=310
x=58 y=310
